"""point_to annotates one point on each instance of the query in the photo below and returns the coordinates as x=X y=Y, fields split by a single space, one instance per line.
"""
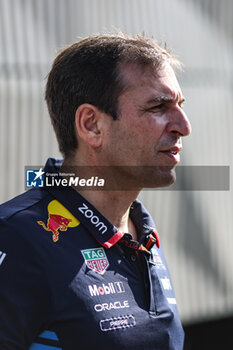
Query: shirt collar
x=99 y=227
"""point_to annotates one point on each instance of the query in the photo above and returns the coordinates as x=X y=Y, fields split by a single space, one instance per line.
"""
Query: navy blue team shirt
x=70 y=280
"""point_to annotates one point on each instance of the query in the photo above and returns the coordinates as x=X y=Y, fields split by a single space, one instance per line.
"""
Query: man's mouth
x=173 y=153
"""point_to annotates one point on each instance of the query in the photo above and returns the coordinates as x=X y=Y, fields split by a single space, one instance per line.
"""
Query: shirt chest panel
x=111 y=304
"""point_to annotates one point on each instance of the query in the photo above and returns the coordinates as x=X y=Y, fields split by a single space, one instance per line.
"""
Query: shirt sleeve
x=24 y=291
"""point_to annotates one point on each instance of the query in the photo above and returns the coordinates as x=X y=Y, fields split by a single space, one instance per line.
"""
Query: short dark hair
x=89 y=71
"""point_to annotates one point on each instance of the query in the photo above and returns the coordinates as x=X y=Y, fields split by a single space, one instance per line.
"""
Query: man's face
x=147 y=135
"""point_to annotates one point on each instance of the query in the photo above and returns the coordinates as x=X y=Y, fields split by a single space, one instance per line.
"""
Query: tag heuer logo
x=96 y=259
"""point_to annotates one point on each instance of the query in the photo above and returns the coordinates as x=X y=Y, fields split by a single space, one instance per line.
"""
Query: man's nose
x=179 y=123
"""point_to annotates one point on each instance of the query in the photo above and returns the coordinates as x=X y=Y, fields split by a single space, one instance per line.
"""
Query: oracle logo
x=109 y=306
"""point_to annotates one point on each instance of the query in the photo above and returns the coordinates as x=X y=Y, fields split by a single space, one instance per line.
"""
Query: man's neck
x=115 y=206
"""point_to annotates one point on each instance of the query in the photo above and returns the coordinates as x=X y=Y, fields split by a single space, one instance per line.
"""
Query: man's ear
x=88 y=125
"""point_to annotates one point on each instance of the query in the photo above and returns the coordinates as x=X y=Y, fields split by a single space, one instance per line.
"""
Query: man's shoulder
x=19 y=229
x=23 y=203
x=30 y=198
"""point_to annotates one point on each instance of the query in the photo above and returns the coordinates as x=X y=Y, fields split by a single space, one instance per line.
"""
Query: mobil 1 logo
x=106 y=288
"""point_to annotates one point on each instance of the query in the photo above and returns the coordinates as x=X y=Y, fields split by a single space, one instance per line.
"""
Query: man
x=83 y=270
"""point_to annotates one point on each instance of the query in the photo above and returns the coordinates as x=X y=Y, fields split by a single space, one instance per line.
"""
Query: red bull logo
x=59 y=219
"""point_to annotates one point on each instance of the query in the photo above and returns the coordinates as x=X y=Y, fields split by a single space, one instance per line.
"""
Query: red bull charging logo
x=59 y=219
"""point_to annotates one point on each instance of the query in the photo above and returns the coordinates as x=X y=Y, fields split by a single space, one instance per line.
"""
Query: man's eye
x=159 y=106
x=156 y=108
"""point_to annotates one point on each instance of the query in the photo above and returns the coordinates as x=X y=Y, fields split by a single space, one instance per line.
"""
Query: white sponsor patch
x=157 y=260
x=117 y=323
x=109 y=288
x=109 y=306
x=166 y=283
x=88 y=213
x=172 y=301
x=2 y=257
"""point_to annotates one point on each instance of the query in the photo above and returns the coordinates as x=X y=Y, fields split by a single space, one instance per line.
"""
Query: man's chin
x=164 y=177
x=131 y=178
x=168 y=180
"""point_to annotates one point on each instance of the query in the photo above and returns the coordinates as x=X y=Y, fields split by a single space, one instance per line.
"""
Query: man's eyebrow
x=165 y=99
